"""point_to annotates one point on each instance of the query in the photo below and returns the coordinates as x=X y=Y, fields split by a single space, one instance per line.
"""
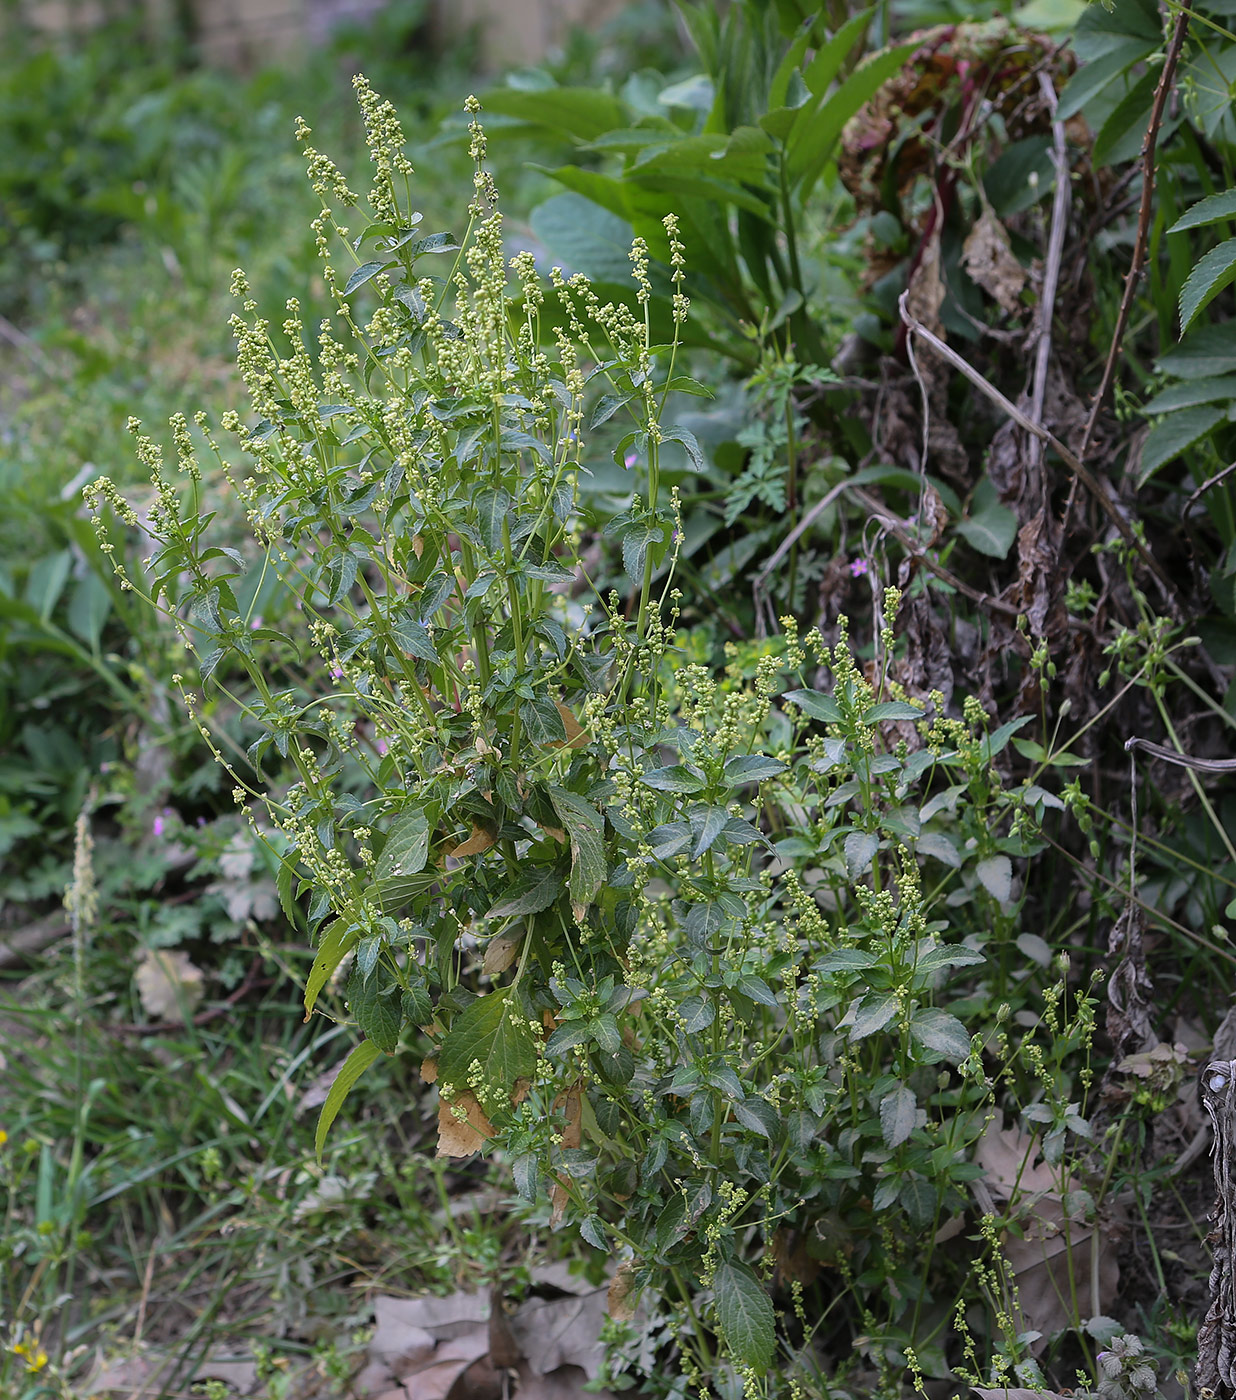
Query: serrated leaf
x=529 y=898
x=362 y=1056
x=542 y=721
x=584 y=829
x=939 y=1031
x=996 y=875
x=816 y=704
x=377 y=1011
x=406 y=849
x=759 y=1116
x=898 y=1115
x=635 y=542
x=416 y=1005
x=1207 y=211
x=846 y=960
x=689 y=443
x=1212 y=272
x=873 y=1014
x=744 y=1314
x=337 y=942
x=605 y=408
x=1190 y=393
x=1207 y=351
x=491 y=1032
x=676 y=778
x=413 y=637
x=860 y=849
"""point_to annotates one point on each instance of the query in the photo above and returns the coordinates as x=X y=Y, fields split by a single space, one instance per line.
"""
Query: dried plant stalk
x=1216 y=1339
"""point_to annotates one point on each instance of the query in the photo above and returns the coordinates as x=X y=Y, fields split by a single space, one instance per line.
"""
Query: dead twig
x=1182 y=760
x=1084 y=474
x=1206 y=485
x=1061 y=202
x=1131 y=280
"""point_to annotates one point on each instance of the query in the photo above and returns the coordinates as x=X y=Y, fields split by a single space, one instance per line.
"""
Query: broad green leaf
x=493 y=1033
x=676 y=778
x=891 y=710
x=745 y=1315
x=846 y=960
x=752 y=768
x=1174 y=435
x=587 y=236
x=898 y=1115
x=1099 y=26
x=991 y=526
x=377 y=1010
x=759 y=1116
x=413 y=638
x=939 y=1031
x=998 y=740
x=1092 y=78
x=1207 y=351
x=542 y=721
x=1210 y=210
x=531 y=897
x=364 y=273
x=996 y=875
x=407 y=847
x=1191 y=393
x=874 y=1013
x=940 y=846
x=584 y=828
x=578 y=113
x=362 y=1056
x=816 y=704
x=1214 y=271
x=860 y=849
x=338 y=940
x=88 y=610
x=1121 y=135
x=46 y=581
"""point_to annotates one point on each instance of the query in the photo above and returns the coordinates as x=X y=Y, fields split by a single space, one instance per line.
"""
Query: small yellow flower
x=35 y=1356
x=4 y=1137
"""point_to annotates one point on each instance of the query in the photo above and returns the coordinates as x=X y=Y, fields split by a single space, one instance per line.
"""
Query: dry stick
x=1183 y=760
x=1084 y=474
x=1051 y=270
x=1206 y=485
x=1143 y=218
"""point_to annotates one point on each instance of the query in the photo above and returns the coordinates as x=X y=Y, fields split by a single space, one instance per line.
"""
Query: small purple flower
x=382 y=747
x=858 y=567
x=255 y=624
x=336 y=673
x=159 y=825
x=631 y=459
x=157 y=828
x=676 y=536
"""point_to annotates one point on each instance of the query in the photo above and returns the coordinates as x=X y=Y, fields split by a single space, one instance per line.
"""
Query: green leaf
x=996 y=874
x=364 y=273
x=407 y=847
x=46 y=581
x=898 y=1115
x=846 y=960
x=690 y=445
x=1191 y=393
x=362 y=1056
x=752 y=768
x=1214 y=271
x=635 y=541
x=874 y=1013
x=528 y=897
x=1207 y=211
x=413 y=637
x=816 y=704
x=829 y=57
x=860 y=849
x=745 y=1315
x=585 y=236
x=991 y=527
x=1174 y=435
x=376 y=1009
x=493 y=1033
x=939 y=1031
x=542 y=721
x=942 y=847
x=676 y=778
x=578 y=113
x=759 y=1116
x=584 y=828
x=1092 y=78
x=891 y=709
x=88 y=610
x=337 y=942
x=1209 y=350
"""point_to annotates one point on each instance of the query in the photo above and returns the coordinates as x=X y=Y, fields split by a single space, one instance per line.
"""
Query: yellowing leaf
x=169 y=985
x=462 y=1136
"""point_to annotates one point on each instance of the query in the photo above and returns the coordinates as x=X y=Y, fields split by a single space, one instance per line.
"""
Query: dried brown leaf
x=499 y=954
x=476 y=844
x=571 y=1101
x=990 y=262
x=461 y=1137
x=1129 y=988
x=169 y=985
x=576 y=736
x=620 y=1300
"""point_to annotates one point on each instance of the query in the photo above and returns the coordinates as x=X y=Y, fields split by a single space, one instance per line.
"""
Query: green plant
x=675 y=942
